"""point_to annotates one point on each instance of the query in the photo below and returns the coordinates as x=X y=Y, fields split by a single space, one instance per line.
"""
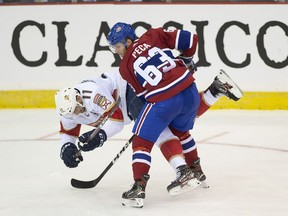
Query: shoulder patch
x=102 y=101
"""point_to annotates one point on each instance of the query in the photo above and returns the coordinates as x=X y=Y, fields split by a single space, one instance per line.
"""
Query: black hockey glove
x=95 y=142
x=70 y=155
x=190 y=64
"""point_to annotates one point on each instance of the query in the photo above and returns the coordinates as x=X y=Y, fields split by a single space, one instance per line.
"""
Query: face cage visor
x=114 y=47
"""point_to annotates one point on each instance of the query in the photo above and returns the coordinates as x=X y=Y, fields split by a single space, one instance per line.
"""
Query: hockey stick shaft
x=90 y=184
x=97 y=180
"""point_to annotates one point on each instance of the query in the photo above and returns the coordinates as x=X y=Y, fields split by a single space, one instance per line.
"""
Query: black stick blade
x=83 y=184
x=92 y=183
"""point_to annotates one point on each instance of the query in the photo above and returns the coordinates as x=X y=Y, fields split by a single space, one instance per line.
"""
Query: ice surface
x=244 y=155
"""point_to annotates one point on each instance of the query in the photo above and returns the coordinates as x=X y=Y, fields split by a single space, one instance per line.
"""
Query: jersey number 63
x=151 y=68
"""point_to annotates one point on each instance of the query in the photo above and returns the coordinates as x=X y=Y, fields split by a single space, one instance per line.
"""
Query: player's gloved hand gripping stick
x=189 y=63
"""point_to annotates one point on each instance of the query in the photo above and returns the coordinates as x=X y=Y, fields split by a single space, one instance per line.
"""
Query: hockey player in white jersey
x=83 y=104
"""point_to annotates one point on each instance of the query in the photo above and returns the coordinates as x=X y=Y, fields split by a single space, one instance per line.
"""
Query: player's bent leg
x=204 y=105
x=140 y=166
x=191 y=155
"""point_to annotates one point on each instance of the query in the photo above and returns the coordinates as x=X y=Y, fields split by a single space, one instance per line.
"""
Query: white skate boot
x=224 y=85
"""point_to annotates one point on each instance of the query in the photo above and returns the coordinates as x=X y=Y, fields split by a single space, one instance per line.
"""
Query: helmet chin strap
x=77 y=102
x=80 y=104
x=127 y=43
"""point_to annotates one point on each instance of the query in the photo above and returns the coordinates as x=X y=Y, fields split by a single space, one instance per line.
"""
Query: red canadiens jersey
x=150 y=67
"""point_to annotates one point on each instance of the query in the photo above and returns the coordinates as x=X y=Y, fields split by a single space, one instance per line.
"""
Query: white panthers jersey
x=98 y=94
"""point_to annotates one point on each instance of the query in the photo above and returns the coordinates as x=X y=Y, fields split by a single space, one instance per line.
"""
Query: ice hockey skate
x=185 y=181
x=198 y=173
x=136 y=195
x=224 y=85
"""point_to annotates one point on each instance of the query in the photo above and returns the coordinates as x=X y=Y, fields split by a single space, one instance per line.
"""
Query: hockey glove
x=95 y=142
x=70 y=155
x=189 y=63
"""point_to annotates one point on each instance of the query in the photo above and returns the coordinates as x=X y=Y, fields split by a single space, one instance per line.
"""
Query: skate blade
x=191 y=184
x=134 y=203
x=204 y=184
x=236 y=91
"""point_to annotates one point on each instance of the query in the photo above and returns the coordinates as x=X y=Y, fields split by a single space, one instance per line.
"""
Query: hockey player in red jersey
x=167 y=85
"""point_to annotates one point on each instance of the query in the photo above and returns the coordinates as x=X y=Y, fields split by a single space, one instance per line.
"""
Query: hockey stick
x=92 y=183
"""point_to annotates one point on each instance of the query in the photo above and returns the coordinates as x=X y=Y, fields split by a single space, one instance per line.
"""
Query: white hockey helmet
x=66 y=102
